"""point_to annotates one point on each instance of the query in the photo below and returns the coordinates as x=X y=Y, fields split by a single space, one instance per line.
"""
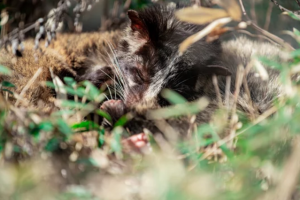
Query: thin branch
x=283 y=9
x=57 y=13
x=264 y=32
x=252 y=11
x=258 y=36
x=233 y=121
x=290 y=174
x=217 y=90
x=258 y=120
x=28 y=85
x=227 y=91
x=268 y=16
x=298 y=2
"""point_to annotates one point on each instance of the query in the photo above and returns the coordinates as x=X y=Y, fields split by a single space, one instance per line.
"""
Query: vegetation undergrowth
x=64 y=154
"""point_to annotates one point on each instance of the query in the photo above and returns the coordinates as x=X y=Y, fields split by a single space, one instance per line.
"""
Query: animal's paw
x=115 y=108
x=137 y=143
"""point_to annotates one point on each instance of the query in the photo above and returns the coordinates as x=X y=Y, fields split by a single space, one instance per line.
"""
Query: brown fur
x=70 y=55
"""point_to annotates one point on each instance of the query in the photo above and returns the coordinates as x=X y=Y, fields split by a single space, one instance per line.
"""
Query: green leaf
x=122 y=121
x=50 y=84
x=296 y=31
x=104 y=114
x=178 y=110
x=52 y=144
x=270 y=63
x=5 y=70
x=78 y=92
x=116 y=142
x=7 y=84
x=93 y=92
x=64 y=128
x=73 y=104
x=36 y=129
x=227 y=151
x=87 y=161
x=292 y=15
x=6 y=90
x=46 y=126
x=88 y=125
x=295 y=53
x=69 y=81
x=76 y=193
x=17 y=149
x=173 y=97
x=101 y=139
x=62 y=112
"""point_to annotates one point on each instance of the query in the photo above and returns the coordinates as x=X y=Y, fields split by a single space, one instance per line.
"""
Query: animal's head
x=149 y=61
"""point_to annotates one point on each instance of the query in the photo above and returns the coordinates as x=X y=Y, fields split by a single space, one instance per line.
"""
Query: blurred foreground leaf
x=5 y=70
x=200 y=15
x=173 y=97
x=232 y=8
x=178 y=110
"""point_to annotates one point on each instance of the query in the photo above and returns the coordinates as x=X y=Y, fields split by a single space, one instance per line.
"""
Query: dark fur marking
x=124 y=45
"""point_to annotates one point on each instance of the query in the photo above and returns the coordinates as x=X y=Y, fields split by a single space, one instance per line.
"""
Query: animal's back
x=242 y=51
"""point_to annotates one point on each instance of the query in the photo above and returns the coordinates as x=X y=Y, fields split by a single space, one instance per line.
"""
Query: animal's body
x=148 y=61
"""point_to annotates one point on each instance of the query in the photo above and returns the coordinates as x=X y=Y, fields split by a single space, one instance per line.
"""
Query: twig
x=264 y=32
x=217 y=90
x=245 y=85
x=283 y=9
x=252 y=11
x=230 y=137
x=201 y=34
x=290 y=174
x=127 y=5
x=238 y=84
x=116 y=9
x=27 y=86
x=259 y=36
x=268 y=16
x=298 y=2
x=171 y=134
x=57 y=13
x=32 y=26
x=262 y=117
x=227 y=91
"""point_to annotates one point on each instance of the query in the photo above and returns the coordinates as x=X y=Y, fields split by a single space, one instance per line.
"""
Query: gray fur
x=241 y=51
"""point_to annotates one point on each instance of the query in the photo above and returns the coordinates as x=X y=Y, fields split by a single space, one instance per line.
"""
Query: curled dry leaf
x=232 y=7
x=216 y=33
x=200 y=15
x=198 y=36
x=4 y=18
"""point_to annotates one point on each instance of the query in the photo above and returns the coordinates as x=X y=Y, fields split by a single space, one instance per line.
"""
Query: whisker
x=106 y=97
x=118 y=85
x=109 y=91
x=115 y=86
x=115 y=63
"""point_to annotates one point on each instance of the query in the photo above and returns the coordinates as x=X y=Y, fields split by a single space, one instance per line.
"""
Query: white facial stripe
x=158 y=80
x=156 y=86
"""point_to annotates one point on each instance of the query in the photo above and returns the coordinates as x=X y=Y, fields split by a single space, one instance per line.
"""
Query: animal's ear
x=217 y=70
x=137 y=23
